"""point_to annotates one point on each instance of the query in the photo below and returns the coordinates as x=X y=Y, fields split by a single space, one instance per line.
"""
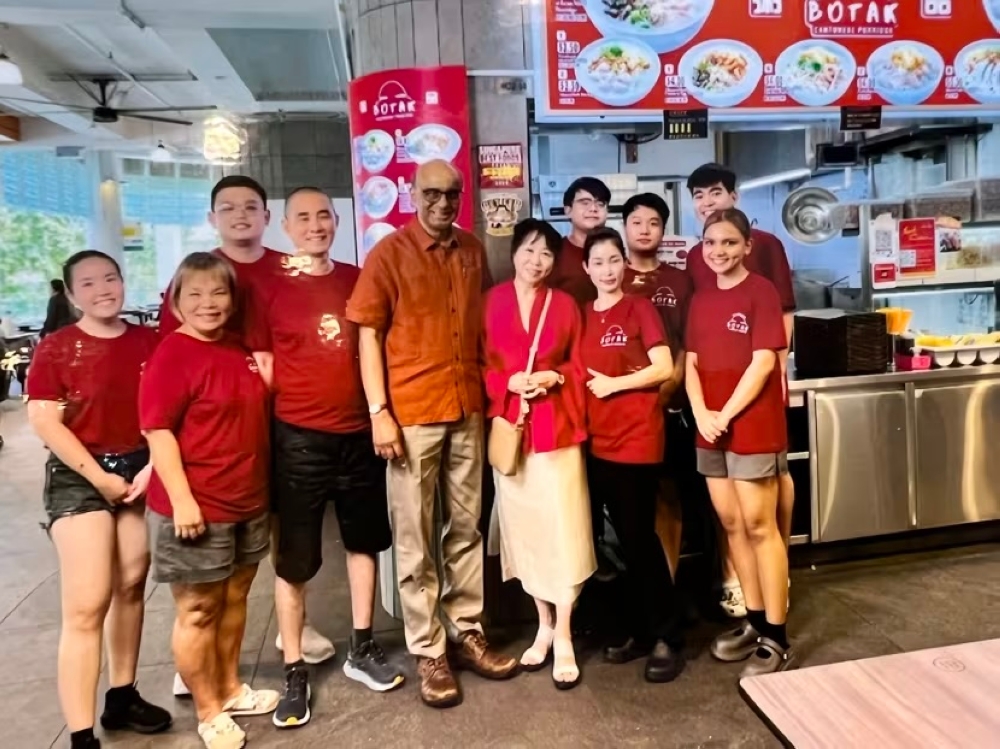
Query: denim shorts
x=68 y=493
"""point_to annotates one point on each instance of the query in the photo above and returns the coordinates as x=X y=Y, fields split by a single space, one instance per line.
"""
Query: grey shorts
x=720 y=464
x=210 y=558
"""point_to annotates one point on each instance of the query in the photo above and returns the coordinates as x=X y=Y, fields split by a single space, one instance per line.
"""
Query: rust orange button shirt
x=427 y=300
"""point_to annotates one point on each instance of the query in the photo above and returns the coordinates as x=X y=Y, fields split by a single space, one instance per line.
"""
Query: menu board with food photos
x=604 y=58
x=399 y=120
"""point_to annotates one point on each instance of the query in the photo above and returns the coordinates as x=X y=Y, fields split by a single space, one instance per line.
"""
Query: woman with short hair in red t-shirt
x=734 y=382
x=205 y=411
x=82 y=402
x=627 y=354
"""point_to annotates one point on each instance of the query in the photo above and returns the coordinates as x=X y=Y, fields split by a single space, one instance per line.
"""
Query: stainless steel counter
x=900 y=451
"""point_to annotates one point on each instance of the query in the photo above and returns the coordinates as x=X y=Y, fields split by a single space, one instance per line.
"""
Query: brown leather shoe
x=473 y=653
x=438 y=687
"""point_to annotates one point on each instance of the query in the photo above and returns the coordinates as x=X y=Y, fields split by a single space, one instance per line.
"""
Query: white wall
x=345 y=247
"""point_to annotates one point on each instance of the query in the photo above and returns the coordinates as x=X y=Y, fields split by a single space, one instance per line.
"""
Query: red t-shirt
x=317 y=373
x=251 y=278
x=210 y=395
x=767 y=258
x=670 y=290
x=97 y=379
x=626 y=427
x=568 y=274
x=725 y=327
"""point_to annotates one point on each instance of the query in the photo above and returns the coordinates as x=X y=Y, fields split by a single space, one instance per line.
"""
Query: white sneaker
x=252 y=702
x=180 y=688
x=222 y=733
x=315 y=647
x=732 y=600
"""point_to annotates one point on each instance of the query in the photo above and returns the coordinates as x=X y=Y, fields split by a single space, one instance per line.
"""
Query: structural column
x=106 y=224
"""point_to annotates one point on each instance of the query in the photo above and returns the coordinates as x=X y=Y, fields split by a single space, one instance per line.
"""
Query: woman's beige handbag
x=504 y=447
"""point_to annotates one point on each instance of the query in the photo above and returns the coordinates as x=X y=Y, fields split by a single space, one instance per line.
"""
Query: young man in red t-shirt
x=669 y=289
x=322 y=449
x=586 y=204
x=734 y=337
x=713 y=188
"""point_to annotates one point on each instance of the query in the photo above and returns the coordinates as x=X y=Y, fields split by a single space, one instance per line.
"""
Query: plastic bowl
x=673 y=37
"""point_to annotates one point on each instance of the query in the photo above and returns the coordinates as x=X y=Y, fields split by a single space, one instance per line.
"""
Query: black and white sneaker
x=367 y=664
x=293 y=707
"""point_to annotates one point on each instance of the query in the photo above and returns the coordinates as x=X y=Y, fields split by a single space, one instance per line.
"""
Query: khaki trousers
x=443 y=601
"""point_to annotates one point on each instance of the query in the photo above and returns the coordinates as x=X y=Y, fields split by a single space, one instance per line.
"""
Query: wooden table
x=939 y=698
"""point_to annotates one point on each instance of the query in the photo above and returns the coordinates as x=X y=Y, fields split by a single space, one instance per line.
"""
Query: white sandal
x=564 y=665
x=222 y=733
x=539 y=651
x=252 y=702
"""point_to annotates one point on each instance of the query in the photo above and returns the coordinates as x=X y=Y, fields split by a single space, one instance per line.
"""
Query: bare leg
x=361 y=580
x=668 y=524
x=85 y=544
x=539 y=650
x=195 y=643
x=727 y=506
x=758 y=503
x=564 y=668
x=124 y=623
x=290 y=604
x=231 y=628
x=786 y=504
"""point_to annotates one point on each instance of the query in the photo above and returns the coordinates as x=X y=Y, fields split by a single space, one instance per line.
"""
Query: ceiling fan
x=104 y=113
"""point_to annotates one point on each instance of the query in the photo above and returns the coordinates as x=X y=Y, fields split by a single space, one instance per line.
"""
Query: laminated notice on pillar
x=399 y=120
x=883 y=252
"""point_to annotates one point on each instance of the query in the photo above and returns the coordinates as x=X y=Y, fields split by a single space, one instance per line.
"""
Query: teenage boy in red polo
x=239 y=214
x=586 y=205
x=713 y=188
x=322 y=448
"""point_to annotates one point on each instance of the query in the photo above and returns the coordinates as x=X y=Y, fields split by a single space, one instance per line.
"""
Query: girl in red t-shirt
x=734 y=335
x=204 y=408
x=627 y=355
x=82 y=390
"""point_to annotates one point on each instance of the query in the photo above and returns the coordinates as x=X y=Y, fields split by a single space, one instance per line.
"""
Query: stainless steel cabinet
x=957 y=453
x=861 y=464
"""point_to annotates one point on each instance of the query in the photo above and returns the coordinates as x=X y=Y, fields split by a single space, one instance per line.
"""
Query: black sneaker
x=293 y=707
x=367 y=663
x=664 y=664
x=126 y=710
x=628 y=651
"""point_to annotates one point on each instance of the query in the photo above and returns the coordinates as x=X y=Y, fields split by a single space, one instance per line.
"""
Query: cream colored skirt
x=544 y=525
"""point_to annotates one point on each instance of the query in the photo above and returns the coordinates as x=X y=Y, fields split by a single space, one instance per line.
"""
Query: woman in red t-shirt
x=627 y=355
x=205 y=411
x=734 y=335
x=543 y=510
x=82 y=394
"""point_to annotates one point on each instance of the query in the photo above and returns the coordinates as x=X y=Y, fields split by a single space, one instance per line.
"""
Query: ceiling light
x=223 y=141
x=160 y=154
x=10 y=72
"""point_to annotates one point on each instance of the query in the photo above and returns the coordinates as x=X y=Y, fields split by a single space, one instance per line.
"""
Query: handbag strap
x=523 y=407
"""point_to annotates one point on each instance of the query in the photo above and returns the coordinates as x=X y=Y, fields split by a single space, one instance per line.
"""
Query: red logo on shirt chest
x=252 y=364
x=738 y=323
x=664 y=297
x=615 y=336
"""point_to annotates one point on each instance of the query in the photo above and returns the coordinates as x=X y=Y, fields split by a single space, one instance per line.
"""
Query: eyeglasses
x=434 y=196
x=591 y=203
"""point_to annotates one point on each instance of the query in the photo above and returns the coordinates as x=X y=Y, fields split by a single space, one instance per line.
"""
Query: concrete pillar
x=284 y=155
x=491 y=38
x=106 y=224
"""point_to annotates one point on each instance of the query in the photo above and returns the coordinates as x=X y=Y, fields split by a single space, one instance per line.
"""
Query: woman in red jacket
x=543 y=508
x=206 y=413
x=82 y=393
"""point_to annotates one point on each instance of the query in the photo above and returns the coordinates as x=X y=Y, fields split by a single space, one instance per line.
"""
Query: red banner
x=399 y=120
x=604 y=57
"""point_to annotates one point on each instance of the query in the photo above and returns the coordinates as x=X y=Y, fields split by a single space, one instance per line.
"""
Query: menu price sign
x=603 y=58
x=501 y=167
x=400 y=119
x=685 y=124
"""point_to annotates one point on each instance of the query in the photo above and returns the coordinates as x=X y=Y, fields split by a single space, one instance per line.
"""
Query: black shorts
x=679 y=457
x=68 y=493
x=313 y=468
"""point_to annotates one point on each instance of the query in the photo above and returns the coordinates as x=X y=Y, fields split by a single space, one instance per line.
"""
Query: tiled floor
x=840 y=612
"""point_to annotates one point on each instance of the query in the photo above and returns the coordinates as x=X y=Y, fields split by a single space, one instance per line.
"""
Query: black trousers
x=630 y=494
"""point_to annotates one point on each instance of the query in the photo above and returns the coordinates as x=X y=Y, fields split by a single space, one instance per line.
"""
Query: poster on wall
x=399 y=120
x=607 y=58
x=501 y=167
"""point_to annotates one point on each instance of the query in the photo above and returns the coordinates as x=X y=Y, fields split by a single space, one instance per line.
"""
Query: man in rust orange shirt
x=418 y=303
